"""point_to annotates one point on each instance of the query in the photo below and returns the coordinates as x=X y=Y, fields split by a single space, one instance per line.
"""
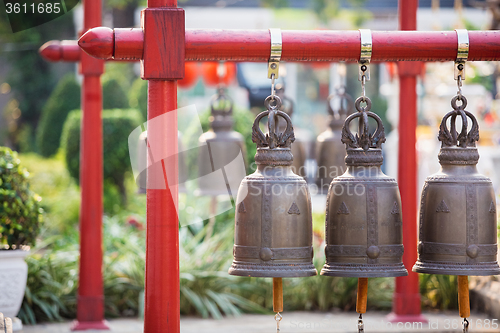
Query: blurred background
x=40 y=118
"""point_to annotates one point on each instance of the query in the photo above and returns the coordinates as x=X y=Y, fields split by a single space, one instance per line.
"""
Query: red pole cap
x=98 y=42
x=51 y=51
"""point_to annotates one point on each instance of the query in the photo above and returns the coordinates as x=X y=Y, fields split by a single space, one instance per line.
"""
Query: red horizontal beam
x=306 y=45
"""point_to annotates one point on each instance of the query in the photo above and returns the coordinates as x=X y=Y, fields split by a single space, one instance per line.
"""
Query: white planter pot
x=13 y=276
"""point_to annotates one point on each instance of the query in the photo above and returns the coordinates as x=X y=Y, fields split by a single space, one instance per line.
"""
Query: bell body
x=299 y=157
x=363 y=220
x=457 y=227
x=330 y=155
x=273 y=223
x=218 y=148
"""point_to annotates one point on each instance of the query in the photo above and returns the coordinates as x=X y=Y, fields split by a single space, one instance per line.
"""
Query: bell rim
x=490 y=268
x=365 y=271
x=273 y=271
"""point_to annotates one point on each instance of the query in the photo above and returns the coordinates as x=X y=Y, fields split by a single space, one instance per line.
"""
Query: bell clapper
x=278 y=300
x=361 y=301
x=463 y=300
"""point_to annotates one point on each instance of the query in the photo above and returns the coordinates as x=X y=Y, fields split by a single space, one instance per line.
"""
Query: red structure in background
x=406 y=301
x=90 y=301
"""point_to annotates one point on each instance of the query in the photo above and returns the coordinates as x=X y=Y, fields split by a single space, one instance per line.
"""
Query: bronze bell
x=219 y=147
x=273 y=222
x=363 y=212
x=458 y=229
x=298 y=149
x=330 y=151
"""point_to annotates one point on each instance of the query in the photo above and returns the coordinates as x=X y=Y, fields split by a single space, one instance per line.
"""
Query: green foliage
x=139 y=96
x=51 y=286
x=206 y=288
x=439 y=291
x=64 y=98
x=20 y=53
x=113 y=94
x=243 y=121
x=20 y=212
x=61 y=195
x=117 y=125
x=25 y=139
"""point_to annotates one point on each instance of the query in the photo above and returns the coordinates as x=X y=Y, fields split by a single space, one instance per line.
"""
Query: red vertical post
x=90 y=301
x=406 y=302
x=162 y=65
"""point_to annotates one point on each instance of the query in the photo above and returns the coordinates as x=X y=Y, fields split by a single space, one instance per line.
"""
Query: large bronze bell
x=330 y=151
x=273 y=222
x=298 y=147
x=219 y=147
x=363 y=213
x=458 y=229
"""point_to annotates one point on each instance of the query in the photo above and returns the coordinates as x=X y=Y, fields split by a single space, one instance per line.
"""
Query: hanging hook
x=275 y=57
x=462 y=55
x=361 y=326
x=465 y=325
x=278 y=318
x=365 y=58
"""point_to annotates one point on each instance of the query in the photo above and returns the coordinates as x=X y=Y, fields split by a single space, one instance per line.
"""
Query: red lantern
x=190 y=75
x=215 y=73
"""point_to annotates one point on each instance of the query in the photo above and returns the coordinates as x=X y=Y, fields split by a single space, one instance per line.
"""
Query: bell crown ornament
x=273 y=148
x=330 y=151
x=457 y=227
x=221 y=109
x=219 y=147
x=273 y=220
x=364 y=148
x=363 y=213
x=342 y=109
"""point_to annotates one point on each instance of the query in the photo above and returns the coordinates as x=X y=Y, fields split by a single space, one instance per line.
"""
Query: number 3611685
x=39 y=8
x=477 y=324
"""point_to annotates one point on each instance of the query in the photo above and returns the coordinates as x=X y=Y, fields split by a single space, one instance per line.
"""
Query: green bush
x=61 y=196
x=64 y=98
x=117 y=126
x=113 y=94
x=139 y=96
x=20 y=212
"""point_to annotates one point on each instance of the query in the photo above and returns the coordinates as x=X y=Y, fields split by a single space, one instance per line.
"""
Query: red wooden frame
x=164 y=30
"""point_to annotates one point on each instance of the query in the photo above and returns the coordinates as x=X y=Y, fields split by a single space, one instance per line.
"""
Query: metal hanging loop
x=462 y=55
x=278 y=318
x=465 y=325
x=361 y=326
x=273 y=64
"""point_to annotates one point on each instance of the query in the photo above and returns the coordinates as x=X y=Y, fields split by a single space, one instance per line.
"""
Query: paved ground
x=298 y=322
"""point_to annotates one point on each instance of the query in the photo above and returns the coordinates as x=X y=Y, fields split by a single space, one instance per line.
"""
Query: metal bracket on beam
x=274 y=60
x=366 y=54
x=462 y=53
